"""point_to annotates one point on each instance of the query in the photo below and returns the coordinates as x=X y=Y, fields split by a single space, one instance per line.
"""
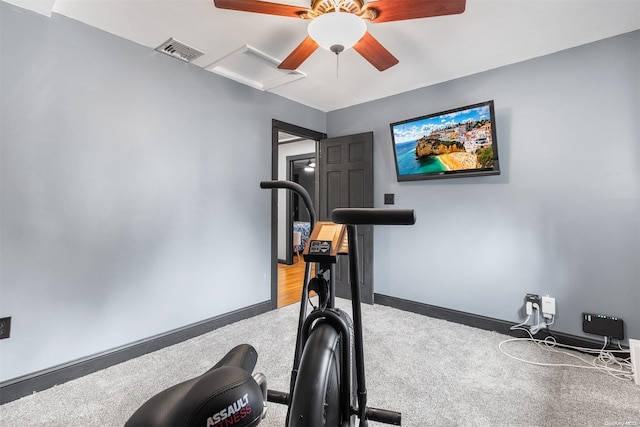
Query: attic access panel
x=249 y=66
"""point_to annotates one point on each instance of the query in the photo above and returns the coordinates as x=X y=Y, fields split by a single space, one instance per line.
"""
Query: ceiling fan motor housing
x=356 y=7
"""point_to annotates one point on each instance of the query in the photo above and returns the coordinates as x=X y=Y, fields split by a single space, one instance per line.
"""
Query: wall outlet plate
x=532 y=298
x=5 y=327
x=634 y=347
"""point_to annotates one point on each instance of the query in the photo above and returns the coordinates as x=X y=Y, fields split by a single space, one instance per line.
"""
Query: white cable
x=534 y=329
x=513 y=328
x=622 y=368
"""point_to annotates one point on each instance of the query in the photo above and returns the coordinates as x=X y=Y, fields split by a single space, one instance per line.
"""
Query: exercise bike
x=327 y=385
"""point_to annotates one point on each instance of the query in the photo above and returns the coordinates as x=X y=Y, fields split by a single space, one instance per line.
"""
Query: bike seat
x=225 y=395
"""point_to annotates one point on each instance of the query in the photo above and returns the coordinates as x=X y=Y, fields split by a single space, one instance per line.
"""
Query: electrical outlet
x=5 y=327
x=533 y=298
x=529 y=301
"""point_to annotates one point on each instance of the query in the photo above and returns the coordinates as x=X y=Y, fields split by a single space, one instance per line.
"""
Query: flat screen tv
x=454 y=143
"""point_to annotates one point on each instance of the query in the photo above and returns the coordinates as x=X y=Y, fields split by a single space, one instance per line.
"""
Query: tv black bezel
x=495 y=170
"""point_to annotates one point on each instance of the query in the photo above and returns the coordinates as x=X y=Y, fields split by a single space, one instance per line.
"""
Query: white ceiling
x=489 y=34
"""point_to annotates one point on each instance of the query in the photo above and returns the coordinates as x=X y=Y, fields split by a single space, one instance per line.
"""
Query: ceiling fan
x=340 y=24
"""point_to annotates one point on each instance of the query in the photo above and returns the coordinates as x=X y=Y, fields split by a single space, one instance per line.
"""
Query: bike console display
x=327 y=241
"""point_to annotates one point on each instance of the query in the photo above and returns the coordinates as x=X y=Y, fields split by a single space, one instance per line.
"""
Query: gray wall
x=129 y=191
x=118 y=197
x=562 y=219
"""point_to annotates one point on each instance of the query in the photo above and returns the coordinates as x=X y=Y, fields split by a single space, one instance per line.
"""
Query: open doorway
x=301 y=169
x=294 y=148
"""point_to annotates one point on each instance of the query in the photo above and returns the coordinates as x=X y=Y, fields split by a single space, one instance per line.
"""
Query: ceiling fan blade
x=299 y=54
x=374 y=52
x=399 y=10
x=260 y=7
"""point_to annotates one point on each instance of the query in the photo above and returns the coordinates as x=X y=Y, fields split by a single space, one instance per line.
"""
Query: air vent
x=179 y=50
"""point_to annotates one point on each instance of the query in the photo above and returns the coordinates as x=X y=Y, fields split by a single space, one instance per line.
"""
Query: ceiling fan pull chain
x=337 y=49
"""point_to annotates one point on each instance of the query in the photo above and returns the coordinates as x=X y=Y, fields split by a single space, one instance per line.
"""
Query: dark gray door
x=345 y=178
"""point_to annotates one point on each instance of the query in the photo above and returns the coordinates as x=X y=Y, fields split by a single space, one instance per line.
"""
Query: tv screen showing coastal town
x=445 y=143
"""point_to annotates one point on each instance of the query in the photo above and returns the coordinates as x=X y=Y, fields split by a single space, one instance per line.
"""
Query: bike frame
x=334 y=317
x=278 y=397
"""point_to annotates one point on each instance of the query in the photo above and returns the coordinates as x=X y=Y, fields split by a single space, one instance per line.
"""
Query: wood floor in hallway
x=290 y=282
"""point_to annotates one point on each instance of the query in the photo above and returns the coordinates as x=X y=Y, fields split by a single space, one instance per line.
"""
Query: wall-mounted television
x=454 y=143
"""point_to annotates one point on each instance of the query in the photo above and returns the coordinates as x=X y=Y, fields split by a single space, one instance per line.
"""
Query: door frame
x=278 y=126
x=289 y=209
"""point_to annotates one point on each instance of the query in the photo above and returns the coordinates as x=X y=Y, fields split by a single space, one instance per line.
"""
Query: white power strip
x=634 y=346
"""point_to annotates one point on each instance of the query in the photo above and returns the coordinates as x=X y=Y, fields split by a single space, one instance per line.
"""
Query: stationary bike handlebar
x=299 y=190
x=373 y=216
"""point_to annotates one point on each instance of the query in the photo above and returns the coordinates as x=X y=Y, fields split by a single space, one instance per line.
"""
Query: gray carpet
x=435 y=372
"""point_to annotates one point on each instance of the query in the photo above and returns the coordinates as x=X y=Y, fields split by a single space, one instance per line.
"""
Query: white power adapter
x=548 y=307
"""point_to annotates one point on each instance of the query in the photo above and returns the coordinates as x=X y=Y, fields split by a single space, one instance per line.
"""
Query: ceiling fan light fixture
x=337 y=29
